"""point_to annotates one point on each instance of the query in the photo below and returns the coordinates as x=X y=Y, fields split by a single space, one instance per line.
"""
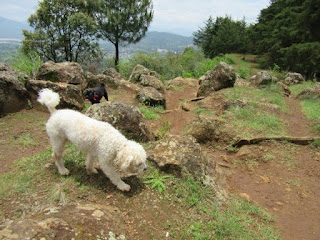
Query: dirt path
x=287 y=183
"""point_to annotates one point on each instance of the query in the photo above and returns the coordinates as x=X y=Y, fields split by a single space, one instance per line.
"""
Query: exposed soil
x=283 y=178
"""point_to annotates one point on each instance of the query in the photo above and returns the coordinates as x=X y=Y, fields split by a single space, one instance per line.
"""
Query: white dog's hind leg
x=89 y=165
x=57 y=148
x=111 y=173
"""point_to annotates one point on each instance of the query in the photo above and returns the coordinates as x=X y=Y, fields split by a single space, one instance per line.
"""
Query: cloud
x=191 y=14
x=18 y=10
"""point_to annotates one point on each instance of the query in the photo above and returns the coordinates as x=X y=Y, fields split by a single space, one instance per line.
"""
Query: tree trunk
x=116 y=61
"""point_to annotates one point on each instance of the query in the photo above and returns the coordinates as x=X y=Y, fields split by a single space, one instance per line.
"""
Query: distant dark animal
x=95 y=95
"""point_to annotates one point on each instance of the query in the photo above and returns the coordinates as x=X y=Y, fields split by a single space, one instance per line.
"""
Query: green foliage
x=303 y=58
x=63 y=31
x=27 y=63
x=221 y=36
x=124 y=22
x=191 y=63
x=289 y=33
x=157 y=181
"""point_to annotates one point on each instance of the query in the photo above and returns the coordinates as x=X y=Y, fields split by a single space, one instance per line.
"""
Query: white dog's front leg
x=111 y=173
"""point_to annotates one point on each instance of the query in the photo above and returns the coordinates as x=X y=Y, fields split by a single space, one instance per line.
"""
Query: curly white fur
x=98 y=139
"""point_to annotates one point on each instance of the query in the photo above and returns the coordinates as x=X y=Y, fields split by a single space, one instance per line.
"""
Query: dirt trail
x=287 y=184
x=298 y=124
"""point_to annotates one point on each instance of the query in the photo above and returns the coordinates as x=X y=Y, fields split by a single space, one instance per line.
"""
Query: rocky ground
x=282 y=178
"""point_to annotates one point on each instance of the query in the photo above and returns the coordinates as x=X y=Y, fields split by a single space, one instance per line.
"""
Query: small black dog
x=95 y=95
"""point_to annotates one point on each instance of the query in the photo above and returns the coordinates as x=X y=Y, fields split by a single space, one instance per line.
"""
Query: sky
x=175 y=16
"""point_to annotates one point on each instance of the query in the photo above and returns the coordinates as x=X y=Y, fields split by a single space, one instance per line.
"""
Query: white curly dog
x=98 y=139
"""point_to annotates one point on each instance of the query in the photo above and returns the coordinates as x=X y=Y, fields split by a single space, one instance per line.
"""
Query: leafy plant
x=157 y=181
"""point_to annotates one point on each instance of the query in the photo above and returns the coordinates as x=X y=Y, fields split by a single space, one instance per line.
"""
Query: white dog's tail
x=49 y=98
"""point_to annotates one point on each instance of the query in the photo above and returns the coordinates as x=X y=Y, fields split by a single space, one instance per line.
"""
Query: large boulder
x=67 y=72
x=95 y=80
x=182 y=156
x=210 y=128
x=151 y=81
x=293 y=78
x=141 y=70
x=221 y=76
x=262 y=79
x=151 y=97
x=70 y=95
x=126 y=118
x=181 y=83
x=13 y=94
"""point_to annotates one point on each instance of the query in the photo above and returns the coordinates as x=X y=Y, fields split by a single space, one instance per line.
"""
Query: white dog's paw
x=124 y=187
x=64 y=172
x=92 y=171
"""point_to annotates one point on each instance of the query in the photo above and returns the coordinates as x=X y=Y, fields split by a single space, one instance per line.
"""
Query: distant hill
x=12 y=29
x=153 y=41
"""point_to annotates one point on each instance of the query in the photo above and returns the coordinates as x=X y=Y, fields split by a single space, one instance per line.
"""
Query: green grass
x=26 y=140
x=28 y=173
x=251 y=119
x=151 y=113
x=310 y=106
x=297 y=88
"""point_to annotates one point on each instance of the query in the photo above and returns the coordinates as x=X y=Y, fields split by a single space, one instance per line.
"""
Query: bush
x=303 y=58
x=190 y=64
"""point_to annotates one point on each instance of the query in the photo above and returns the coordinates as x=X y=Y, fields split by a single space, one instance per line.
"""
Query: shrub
x=303 y=58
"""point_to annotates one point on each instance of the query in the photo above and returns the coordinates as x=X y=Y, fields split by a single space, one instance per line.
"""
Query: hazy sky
x=176 y=16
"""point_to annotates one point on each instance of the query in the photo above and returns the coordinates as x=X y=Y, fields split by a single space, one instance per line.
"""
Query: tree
x=289 y=28
x=123 y=22
x=221 y=36
x=63 y=31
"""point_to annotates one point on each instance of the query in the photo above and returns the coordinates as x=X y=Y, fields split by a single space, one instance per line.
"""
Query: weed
x=165 y=127
x=157 y=181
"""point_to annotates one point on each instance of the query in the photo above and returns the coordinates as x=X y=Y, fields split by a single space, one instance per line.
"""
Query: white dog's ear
x=126 y=163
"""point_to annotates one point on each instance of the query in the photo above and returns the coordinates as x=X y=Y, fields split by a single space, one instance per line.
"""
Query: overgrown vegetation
x=191 y=63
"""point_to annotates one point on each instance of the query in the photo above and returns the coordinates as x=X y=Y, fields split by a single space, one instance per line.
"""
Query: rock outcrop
x=262 y=79
x=151 y=97
x=13 y=94
x=70 y=95
x=67 y=72
x=126 y=118
x=221 y=76
x=293 y=78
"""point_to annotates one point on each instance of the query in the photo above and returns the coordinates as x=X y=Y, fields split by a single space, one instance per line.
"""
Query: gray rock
x=262 y=79
x=221 y=76
x=67 y=72
x=70 y=95
x=13 y=94
x=312 y=92
x=293 y=78
x=151 y=97
x=126 y=118
x=138 y=71
x=182 y=156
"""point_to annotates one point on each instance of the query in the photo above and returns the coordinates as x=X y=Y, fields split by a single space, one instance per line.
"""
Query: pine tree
x=123 y=22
